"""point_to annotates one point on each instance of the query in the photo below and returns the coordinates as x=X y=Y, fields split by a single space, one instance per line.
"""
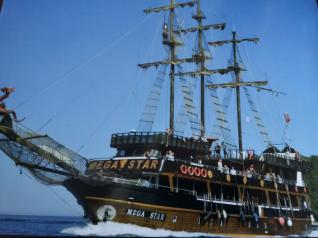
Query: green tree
x=311 y=179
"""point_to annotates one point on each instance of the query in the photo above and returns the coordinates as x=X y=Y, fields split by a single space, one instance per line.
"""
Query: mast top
x=169 y=7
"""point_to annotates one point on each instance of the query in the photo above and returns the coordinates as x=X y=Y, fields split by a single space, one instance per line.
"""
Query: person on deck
x=6 y=92
x=252 y=169
x=224 y=150
x=226 y=169
x=5 y=118
x=218 y=150
x=233 y=171
x=220 y=166
x=170 y=155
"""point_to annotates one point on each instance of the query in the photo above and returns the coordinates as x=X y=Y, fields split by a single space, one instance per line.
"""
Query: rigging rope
x=278 y=128
x=221 y=128
x=150 y=110
x=82 y=64
x=64 y=107
x=66 y=204
x=148 y=115
x=188 y=107
x=117 y=106
x=258 y=120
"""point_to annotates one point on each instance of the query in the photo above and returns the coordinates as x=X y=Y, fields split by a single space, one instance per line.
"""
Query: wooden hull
x=189 y=220
x=140 y=208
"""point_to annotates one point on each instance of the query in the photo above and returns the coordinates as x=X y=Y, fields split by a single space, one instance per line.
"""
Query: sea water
x=77 y=226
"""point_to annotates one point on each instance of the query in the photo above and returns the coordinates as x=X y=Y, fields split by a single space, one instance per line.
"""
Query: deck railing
x=158 y=138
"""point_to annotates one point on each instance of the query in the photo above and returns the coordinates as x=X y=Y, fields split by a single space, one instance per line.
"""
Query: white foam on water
x=313 y=234
x=118 y=229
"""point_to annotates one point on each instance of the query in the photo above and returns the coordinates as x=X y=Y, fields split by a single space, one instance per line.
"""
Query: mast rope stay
x=77 y=67
x=258 y=119
x=66 y=204
x=109 y=115
x=63 y=108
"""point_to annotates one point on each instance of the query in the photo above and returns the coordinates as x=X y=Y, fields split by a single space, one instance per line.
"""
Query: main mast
x=237 y=84
x=238 y=95
x=172 y=42
x=199 y=16
x=172 y=57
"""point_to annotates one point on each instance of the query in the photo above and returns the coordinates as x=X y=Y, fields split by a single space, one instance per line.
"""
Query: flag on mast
x=287 y=118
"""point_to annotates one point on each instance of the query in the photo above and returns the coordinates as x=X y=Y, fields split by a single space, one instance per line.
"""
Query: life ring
x=228 y=178
x=197 y=171
x=203 y=173
x=190 y=170
x=183 y=169
x=281 y=221
x=210 y=174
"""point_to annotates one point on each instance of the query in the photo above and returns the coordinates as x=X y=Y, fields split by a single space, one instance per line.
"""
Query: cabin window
x=230 y=193
x=216 y=190
x=176 y=183
x=155 y=153
x=164 y=182
x=257 y=196
x=184 y=184
x=200 y=187
x=273 y=198
x=121 y=153
x=144 y=139
x=294 y=201
x=152 y=181
x=284 y=201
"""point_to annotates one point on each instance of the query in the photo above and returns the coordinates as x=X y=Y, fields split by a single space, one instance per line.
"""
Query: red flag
x=287 y=118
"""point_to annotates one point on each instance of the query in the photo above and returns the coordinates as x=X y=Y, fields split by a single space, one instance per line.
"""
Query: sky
x=74 y=66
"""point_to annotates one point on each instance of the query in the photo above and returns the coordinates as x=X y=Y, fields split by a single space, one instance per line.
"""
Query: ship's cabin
x=157 y=144
x=186 y=166
x=272 y=165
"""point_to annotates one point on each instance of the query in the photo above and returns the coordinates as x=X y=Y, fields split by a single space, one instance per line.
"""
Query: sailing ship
x=176 y=182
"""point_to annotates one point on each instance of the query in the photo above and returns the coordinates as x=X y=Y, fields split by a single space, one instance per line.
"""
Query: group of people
x=225 y=169
x=5 y=114
x=272 y=176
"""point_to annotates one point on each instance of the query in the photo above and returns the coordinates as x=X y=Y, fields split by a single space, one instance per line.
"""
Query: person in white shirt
x=220 y=166
x=233 y=171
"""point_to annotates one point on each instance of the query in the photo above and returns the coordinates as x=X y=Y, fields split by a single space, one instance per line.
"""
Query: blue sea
x=77 y=226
